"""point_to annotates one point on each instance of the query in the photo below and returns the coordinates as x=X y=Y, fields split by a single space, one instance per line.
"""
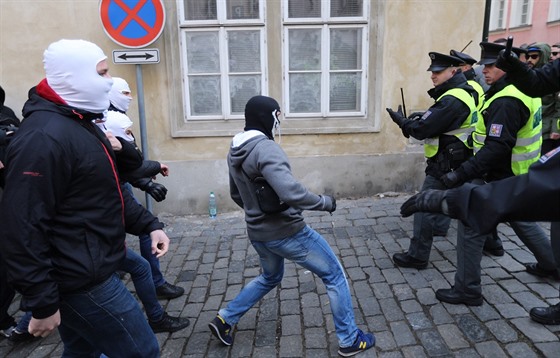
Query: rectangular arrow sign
x=139 y=56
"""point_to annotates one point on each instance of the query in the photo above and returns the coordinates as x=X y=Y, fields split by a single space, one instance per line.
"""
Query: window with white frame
x=521 y=11
x=325 y=63
x=554 y=11
x=223 y=55
x=498 y=15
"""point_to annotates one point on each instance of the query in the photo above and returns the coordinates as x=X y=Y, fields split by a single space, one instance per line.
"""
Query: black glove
x=431 y=201
x=510 y=63
x=333 y=205
x=398 y=116
x=452 y=179
x=416 y=116
x=156 y=190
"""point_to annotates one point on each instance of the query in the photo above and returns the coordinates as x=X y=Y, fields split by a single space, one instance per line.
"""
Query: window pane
x=200 y=10
x=204 y=95
x=345 y=92
x=305 y=93
x=241 y=89
x=346 y=51
x=244 y=51
x=305 y=49
x=304 y=8
x=346 y=8
x=242 y=9
x=203 y=53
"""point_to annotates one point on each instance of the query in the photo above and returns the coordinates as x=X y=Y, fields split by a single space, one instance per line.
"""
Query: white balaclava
x=117 y=123
x=116 y=96
x=71 y=70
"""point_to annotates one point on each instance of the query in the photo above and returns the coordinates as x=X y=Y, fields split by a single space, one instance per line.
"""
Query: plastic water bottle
x=212 y=208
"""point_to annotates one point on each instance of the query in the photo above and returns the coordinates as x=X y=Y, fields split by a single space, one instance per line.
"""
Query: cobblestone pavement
x=212 y=259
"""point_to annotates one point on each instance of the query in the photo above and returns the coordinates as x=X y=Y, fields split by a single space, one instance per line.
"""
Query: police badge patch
x=495 y=130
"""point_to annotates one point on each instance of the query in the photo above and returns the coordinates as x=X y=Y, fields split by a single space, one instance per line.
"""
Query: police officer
x=506 y=142
x=445 y=128
x=493 y=244
x=468 y=70
x=538 y=190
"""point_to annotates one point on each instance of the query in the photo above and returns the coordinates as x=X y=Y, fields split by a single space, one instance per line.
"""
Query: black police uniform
x=448 y=113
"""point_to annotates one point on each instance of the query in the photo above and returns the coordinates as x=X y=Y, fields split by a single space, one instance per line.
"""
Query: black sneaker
x=169 y=324
x=7 y=332
x=363 y=342
x=169 y=291
x=18 y=336
x=221 y=330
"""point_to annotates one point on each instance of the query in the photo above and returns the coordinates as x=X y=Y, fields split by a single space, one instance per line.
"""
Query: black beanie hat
x=259 y=114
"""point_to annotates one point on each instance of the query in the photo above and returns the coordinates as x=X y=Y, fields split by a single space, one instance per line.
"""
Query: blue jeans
x=146 y=250
x=105 y=319
x=139 y=270
x=153 y=261
x=23 y=324
x=310 y=250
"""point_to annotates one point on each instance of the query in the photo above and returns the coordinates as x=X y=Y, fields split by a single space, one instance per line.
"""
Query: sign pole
x=142 y=118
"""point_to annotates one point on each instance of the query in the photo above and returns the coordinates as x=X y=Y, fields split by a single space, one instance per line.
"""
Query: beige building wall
x=351 y=163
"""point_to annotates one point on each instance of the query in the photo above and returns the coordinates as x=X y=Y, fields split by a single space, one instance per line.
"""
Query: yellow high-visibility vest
x=529 y=138
x=431 y=145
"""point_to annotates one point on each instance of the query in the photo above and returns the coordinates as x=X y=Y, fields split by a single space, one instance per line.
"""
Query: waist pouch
x=268 y=200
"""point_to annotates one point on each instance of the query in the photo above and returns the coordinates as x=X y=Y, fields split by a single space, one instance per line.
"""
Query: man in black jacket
x=65 y=214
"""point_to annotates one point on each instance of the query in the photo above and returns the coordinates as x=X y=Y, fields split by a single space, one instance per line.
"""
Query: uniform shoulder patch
x=495 y=130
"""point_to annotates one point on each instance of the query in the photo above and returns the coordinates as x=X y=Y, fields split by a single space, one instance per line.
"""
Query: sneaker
x=169 y=291
x=169 y=324
x=18 y=336
x=7 y=332
x=221 y=330
x=363 y=342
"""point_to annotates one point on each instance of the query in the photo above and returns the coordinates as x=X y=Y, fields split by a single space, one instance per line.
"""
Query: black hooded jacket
x=64 y=214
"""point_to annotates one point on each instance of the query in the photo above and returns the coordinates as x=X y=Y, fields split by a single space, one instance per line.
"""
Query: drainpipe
x=486 y=24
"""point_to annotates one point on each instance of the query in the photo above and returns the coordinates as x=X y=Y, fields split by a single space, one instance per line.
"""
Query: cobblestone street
x=212 y=259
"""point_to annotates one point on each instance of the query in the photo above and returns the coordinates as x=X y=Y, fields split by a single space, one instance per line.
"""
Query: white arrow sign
x=140 y=56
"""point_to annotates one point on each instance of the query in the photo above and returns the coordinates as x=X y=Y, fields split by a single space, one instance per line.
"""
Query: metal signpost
x=135 y=24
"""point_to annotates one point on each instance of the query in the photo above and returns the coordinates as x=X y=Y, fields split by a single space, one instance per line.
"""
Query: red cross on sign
x=132 y=23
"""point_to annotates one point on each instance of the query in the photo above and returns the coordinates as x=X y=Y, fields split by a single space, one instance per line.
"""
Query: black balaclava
x=259 y=114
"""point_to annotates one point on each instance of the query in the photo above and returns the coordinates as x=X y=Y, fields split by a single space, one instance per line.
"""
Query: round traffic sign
x=132 y=23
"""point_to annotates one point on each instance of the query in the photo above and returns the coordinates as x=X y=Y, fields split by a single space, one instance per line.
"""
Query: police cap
x=440 y=61
x=491 y=51
x=463 y=56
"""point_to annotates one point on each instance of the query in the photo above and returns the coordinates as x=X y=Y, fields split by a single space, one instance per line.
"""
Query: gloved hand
x=333 y=201
x=416 y=116
x=510 y=63
x=452 y=179
x=431 y=201
x=156 y=190
x=398 y=116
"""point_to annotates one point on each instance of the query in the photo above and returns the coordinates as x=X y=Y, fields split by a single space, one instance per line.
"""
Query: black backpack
x=8 y=127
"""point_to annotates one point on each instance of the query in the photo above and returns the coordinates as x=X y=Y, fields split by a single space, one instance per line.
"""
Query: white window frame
x=516 y=12
x=326 y=23
x=554 y=11
x=223 y=26
x=495 y=15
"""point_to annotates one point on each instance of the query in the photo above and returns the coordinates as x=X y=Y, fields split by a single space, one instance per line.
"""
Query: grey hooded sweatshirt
x=258 y=155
